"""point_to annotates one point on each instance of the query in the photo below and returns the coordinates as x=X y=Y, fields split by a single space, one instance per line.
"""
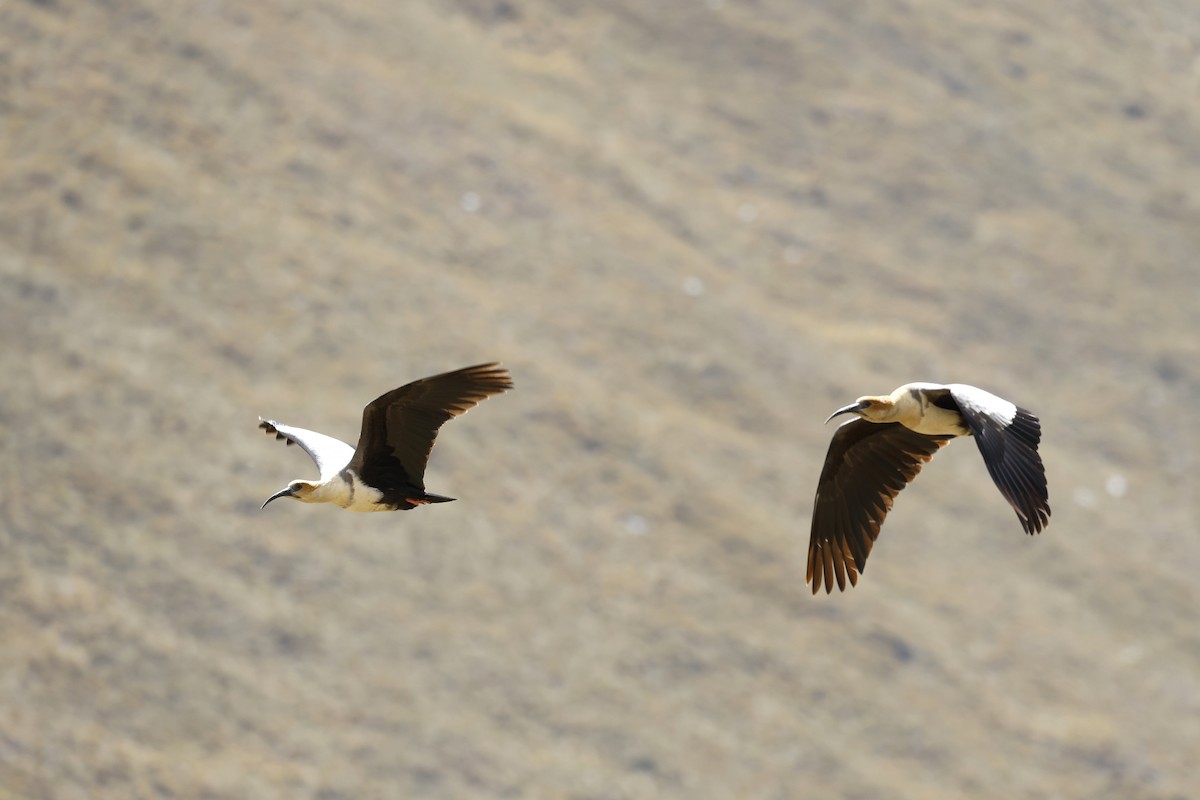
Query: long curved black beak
x=853 y=408
x=284 y=492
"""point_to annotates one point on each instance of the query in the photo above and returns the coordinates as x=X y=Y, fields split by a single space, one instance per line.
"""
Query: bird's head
x=870 y=408
x=300 y=490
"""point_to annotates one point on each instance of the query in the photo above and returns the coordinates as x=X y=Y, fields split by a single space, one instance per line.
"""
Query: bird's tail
x=427 y=497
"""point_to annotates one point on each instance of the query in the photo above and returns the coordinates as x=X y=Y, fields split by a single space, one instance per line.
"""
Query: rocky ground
x=691 y=230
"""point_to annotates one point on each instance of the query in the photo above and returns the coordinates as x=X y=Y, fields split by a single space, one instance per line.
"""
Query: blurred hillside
x=691 y=230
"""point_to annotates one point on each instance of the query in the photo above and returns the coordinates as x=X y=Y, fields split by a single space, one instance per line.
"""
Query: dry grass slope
x=691 y=230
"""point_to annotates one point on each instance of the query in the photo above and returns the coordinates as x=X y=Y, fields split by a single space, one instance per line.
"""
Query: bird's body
x=386 y=471
x=872 y=458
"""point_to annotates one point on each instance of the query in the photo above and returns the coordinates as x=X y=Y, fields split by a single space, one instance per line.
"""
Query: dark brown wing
x=399 y=427
x=867 y=465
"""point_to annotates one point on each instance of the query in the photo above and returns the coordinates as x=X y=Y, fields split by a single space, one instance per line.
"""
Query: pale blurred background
x=691 y=230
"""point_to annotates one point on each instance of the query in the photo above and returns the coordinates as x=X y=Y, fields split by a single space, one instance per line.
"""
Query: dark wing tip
x=268 y=425
x=483 y=381
x=492 y=372
x=1040 y=519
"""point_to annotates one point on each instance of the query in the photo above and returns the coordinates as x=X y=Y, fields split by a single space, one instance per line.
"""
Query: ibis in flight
x=872 y=457
x=386 y=471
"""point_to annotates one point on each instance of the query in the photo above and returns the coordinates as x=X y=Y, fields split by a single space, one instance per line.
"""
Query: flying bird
x=872 y=458
x=386 y=471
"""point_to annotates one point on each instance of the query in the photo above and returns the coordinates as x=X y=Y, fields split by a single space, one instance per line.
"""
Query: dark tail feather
x=426 y=497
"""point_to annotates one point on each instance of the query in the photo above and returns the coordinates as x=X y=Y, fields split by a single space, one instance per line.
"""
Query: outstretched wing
x=867 y=465
x=330 y=454
x=1008 y=438
x=399 y=427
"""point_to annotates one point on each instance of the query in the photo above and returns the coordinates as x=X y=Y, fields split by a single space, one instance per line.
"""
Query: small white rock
x=636 y=524
x=470 y=202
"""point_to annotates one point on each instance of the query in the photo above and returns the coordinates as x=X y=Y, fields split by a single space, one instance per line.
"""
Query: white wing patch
x=331 y=455
x=973 y=400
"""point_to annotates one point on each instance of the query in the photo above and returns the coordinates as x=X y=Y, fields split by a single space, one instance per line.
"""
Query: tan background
x=691 y=230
